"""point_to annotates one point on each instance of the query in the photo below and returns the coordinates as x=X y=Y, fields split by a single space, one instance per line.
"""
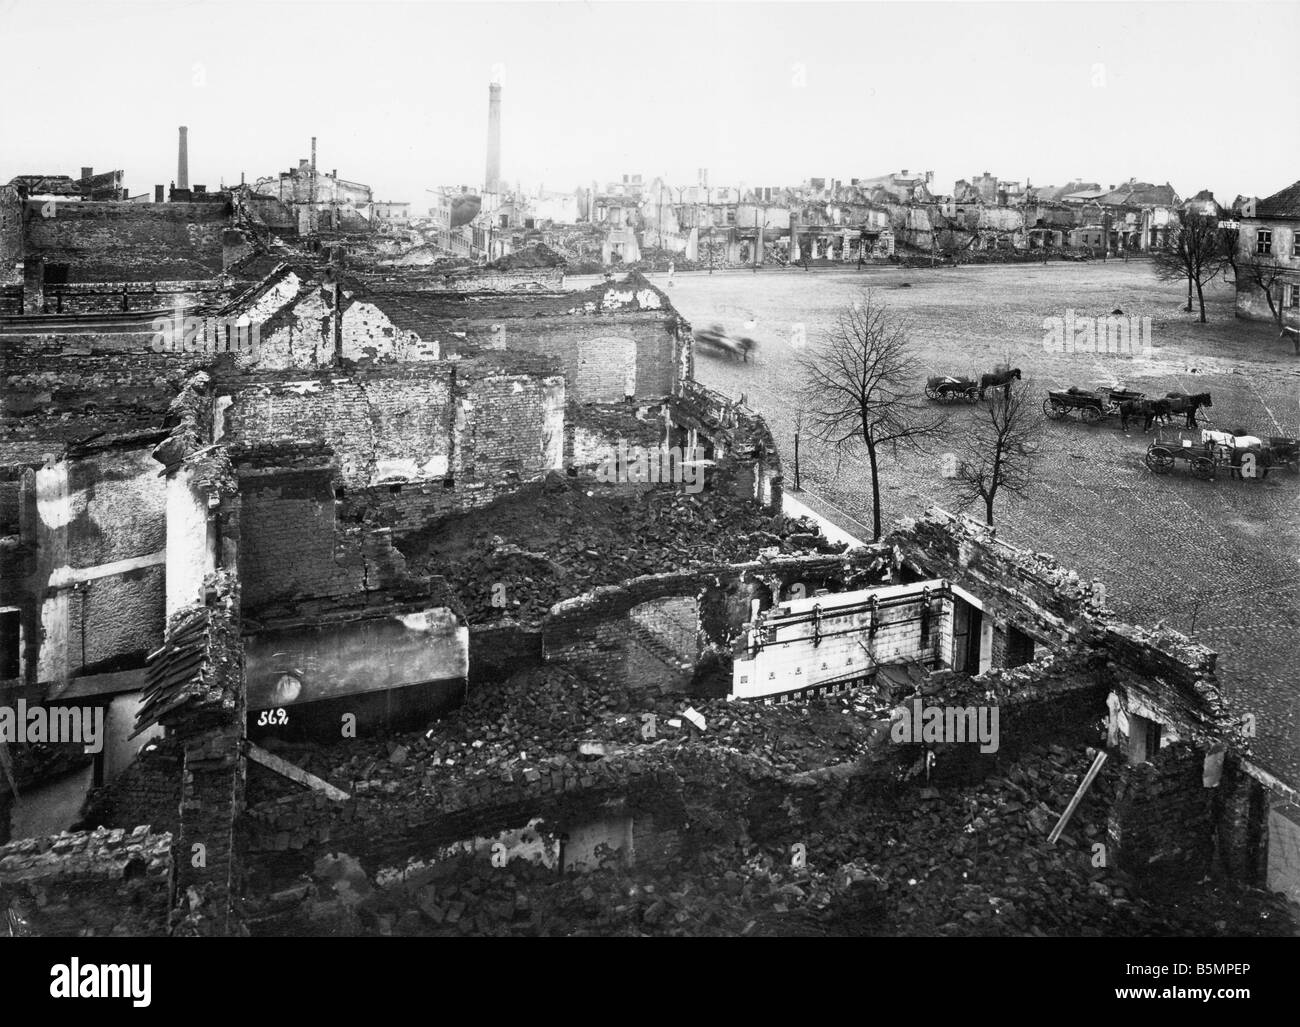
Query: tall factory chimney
x=183 y=161
x=492 y=181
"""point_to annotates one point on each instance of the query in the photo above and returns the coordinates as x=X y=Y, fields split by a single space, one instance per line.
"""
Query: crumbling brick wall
x=412 y=445
x=597 y=630
x=89 y=884
x=394 y=425
x=103 y=297
x=1162 y=823
x=90 y=374
x=146 y=792
x=294 y=543
x=127 y=242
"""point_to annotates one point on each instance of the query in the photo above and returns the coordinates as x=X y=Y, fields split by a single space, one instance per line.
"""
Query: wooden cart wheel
x=1203 y=467
x=930 y=392
x=1090 y=415
x=1160 y=460
x=1053 y=409
x=972 y=395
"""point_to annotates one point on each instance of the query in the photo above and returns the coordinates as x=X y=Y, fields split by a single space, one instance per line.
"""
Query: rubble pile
x=82 y=884
x=919 y=862
x=562 y=538
x=548 y=720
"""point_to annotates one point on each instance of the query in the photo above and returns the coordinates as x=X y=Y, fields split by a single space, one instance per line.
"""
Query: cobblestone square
x=1218 y=559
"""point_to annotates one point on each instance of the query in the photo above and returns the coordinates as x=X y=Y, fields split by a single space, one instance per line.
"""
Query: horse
x=998 y=380
x=1185 y=403
x=1147 y=409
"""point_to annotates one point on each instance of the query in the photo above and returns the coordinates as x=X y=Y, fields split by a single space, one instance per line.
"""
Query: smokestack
x=183 y=161
x=492 y=181
x=157 y=194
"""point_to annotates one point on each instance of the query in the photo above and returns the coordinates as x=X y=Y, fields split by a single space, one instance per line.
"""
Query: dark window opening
x=1154 y=731
x=1020 y=648
x=56 y=274
x=340 y=492
x=395 y=489
x=449 y=483
x=10 y=635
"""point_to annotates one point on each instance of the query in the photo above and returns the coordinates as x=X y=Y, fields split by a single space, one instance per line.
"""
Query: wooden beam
x=64 y=577
x=1078 y=795
x=294 y=773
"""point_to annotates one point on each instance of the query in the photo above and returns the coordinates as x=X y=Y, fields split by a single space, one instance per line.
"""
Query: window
x=1263 y=241
x=1293 y=299
x=1295 y=242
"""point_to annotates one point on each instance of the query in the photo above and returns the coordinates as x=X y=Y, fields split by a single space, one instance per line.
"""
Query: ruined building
x=336 y=554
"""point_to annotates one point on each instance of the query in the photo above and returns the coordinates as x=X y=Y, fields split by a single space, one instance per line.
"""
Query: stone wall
x=89 y=884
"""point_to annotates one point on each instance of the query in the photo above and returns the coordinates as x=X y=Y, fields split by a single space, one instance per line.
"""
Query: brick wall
x=293 y=542
x=119 y=242
x=413 y=444
x=393 y=427
x=146 y=792
x=103 y=297
x=1162 y=822
x=90 y=373
x=297 y=328
x=89 y=884
x=601 y=354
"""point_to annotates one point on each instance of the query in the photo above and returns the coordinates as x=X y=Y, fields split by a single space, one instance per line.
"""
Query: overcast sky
x=1202 y=95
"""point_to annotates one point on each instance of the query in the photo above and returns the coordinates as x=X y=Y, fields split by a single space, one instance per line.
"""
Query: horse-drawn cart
x=1205 y=451
x=1285 y=452
x=947 y=389
x=1092 y=405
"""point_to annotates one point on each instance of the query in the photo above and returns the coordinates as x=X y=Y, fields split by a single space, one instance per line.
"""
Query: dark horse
x=998 y=380
x=1183 y=403
x=1147 y=409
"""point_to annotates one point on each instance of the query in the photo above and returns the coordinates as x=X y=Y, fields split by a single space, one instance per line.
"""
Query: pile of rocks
x=519 y=557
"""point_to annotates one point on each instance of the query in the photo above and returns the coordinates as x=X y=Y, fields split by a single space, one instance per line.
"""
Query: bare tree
x=1263 y=272
x=999 y=450
x=1195 y=253
x=860 y=389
